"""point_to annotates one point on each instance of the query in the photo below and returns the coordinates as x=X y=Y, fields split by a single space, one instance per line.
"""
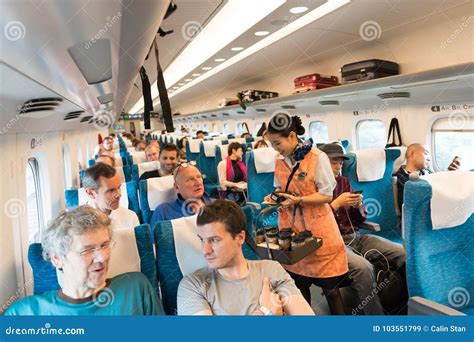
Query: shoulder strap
x=290 y=177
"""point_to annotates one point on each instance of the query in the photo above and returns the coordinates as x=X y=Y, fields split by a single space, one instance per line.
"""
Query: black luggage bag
x=368 y=70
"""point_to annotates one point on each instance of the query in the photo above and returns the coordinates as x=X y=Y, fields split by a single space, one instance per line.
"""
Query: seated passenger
x=182 y=149
x=106 y=159
x=232 y=285
x=233 y=174
x=189 y=185
x=152 y=153
x=139 y=145
x=168 y=160
x=78 y=243
x=153 y=143
x=102 y=185
x=108 y=143
x=350 y=212
x=200 y=134
x=112 y=135
x=417 y=161
x=246 y=135
x=260 y=144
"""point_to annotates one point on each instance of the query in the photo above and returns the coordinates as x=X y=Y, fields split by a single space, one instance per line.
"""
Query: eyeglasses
x=106 y=246
x=179 y=165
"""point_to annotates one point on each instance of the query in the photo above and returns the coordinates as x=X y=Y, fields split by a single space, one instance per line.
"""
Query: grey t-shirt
x=206 y=289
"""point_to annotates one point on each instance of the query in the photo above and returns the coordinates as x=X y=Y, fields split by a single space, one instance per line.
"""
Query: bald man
x=418 y=159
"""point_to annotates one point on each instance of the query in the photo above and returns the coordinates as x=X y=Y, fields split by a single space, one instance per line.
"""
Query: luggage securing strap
x=164 y=100
x=394 y=128
x=146 y=89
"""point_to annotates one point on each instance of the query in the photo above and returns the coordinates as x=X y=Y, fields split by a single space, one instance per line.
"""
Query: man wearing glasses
x=78 y=243
x=189 y=185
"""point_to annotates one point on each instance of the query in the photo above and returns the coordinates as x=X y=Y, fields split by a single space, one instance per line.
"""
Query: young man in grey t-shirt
x=232 y=285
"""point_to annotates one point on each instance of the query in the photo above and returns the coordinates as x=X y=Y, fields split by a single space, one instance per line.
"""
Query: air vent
x=73 y=115
x=240 y=112
x=394 y=95
x=213 y=116
x=288 y=107
x=329 y=103
x=261 y=110
x=225 y=114
x=106 y=98
x=86 y=118
x=41 y=104
x=203 y=116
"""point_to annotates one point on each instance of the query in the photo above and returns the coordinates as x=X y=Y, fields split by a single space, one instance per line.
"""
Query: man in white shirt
x=102 y=185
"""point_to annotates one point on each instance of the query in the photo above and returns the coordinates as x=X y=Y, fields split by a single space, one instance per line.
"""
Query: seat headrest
x=209 y=147
x=187 y=245
x=194 y=145
x=147 y=166
x=370 y=164
x=452 y=200
x=264 y=159
x=160 y=190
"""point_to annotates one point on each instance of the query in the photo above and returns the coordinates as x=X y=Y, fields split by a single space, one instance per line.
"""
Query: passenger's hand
x=290 y=199
x=270 y=299
x=455 y=164
x=347 y=199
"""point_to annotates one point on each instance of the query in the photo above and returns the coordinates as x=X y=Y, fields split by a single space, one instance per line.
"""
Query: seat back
x=192 y=149
x=154 y=191
x=137 y=157
x=137 y=243
x=129 y=198
x=206 y=164
x=260 y=184
x=439 y=261
x=170 y=272
x=140 y=169
x=377 y=194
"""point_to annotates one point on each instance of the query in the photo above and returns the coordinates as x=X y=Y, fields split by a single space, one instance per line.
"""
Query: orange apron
x=330 y=259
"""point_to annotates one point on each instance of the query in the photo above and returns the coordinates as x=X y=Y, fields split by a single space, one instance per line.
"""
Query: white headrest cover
x=160 y=190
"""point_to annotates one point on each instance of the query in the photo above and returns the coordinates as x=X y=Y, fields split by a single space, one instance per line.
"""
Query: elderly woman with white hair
x=78 y=243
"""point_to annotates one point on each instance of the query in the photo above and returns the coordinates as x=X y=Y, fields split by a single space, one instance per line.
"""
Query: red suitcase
x=302 y=87
x=317 y=78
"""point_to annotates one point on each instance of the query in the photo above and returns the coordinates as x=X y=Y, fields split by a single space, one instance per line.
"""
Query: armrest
x=257 y=206
x=422 y=306
x=370 y=226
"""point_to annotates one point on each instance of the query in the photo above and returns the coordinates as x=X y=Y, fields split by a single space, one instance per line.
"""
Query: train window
x=33 y=201
x=205 y=127
x=242 y=128
x=318 y=131
x=67 y=167
x=256 y=127
x=370 y=134
x=226 y=128
x=453 y=137
x=214 y=127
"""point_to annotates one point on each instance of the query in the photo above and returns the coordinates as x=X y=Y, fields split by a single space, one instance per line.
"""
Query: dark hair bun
x=297 y=125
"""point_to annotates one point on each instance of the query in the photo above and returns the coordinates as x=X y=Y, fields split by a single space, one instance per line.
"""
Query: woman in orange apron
x=303 y=175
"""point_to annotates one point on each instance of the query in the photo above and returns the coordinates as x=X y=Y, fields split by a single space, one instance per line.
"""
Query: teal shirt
x=125 y=295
